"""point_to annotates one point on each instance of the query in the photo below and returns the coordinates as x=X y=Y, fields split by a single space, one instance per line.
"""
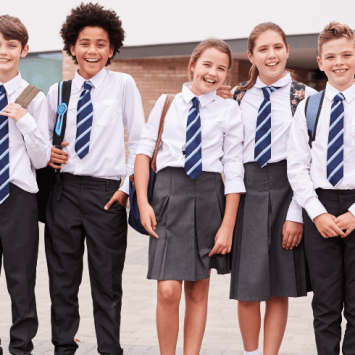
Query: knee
x=196 y=293
x=248 y=304
x=169 y=294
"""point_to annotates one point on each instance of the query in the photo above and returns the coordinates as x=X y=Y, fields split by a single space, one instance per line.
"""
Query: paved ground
x=139 y=337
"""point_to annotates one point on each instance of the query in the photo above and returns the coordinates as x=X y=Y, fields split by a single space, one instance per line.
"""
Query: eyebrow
x=267 y=45
x=88 y=39
x=344 y=52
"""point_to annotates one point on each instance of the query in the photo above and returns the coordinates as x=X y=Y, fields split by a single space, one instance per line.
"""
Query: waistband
x=79 y=180
x=336 y=194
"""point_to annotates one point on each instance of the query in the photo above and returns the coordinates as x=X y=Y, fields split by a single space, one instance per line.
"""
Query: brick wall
x=155 y=76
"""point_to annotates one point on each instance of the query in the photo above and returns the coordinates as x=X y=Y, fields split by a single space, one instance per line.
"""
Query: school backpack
x=46 y=176
x=312 y=112
x=297 y=94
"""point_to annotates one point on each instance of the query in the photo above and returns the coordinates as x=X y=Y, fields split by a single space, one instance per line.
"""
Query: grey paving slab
x=138 y=332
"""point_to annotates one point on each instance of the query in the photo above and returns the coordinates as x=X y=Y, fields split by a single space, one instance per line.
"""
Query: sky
x=148 y=22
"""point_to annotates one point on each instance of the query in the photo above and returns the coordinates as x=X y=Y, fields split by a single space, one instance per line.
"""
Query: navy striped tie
x=262 y=151
x=84 y=119
x=193 y=157
x=335 y=154
x=4 y=150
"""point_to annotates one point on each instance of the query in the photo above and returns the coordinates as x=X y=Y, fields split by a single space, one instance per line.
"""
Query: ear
x=72 y=50
x=24 y=51
x=288 y=51
x=320 y=64
x=193 y=66
x=111 y=52
x=250 y=56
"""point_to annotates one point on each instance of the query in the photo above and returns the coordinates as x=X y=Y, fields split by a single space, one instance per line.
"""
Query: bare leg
x=196 y=296
x=275 y=324
x=250 y=323
x=169 y=295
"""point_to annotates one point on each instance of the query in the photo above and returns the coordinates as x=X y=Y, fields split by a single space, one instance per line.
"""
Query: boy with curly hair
x=23 y=148
x=87 y=201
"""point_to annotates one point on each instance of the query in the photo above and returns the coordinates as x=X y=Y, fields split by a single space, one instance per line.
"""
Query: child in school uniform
x=321 y=170
x=268 y=261
x=190 y=224
x=87 y=202
x=23 y=148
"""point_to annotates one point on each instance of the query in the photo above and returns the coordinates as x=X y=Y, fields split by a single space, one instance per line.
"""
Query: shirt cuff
x=26 y=124
x=145 y=149
x=314 y=208
x=125 y=186
x=352 y=209
x=294 y=215
x=234 y=187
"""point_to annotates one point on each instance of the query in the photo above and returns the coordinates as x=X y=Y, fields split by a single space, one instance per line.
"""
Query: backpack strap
x=27 y=96
x=297 y=94
x=64 y=90
x=312 y=111
x=238 y=94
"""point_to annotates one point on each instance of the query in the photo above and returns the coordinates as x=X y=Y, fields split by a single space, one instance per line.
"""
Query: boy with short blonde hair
x=23 y=148
x=321 y=170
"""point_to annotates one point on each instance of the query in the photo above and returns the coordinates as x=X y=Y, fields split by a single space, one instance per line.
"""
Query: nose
x=92 y=48
x=271 y=53
x=338 y=60
x=213 y=71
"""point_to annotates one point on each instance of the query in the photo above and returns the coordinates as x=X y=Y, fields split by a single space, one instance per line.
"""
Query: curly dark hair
x=93 y=15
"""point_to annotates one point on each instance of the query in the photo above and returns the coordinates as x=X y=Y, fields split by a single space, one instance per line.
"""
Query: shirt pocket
x=107 y=112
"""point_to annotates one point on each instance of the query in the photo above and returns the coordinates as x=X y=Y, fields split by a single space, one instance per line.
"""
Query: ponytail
x=253 y=75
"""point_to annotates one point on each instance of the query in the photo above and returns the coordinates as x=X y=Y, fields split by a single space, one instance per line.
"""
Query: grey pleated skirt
x=261 y=268
x=189 y=214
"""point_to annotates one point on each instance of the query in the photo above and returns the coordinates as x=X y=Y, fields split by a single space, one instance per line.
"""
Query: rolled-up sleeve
x=150 y=130
x=233 y=151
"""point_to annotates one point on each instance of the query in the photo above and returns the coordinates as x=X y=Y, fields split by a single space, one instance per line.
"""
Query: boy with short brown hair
x=321 y=170
x=23 y=148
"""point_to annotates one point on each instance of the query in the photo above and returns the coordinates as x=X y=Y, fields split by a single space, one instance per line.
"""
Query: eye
x=206 y=65
x=329 y=57
x=221 y=69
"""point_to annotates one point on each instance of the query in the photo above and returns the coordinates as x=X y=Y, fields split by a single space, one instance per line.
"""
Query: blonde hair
x=206 y=44
x=334 y=30
x=255 y=33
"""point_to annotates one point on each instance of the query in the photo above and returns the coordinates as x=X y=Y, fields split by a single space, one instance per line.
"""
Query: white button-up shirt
x=28 y=137
x=281 y=119
x=307 y=167
x=117 y=103
x=221 y=136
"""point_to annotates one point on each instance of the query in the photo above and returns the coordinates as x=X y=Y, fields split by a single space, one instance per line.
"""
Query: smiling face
x=337 y=60
x=92 y=50
x=10 y=53
x=209 y=71
x=270 y=54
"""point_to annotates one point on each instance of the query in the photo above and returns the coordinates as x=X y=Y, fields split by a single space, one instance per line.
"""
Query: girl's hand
x=120 y=197
x=346 y=222
x=58 y=157
x=225 y=92
x=222 y=241
x=14 y=111
x=292 y=234
x=148 y=219
x=327 y=227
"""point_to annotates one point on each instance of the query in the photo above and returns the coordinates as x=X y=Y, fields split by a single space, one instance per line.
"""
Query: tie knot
x=339 y=97
x=195 y=101
x=267 y=90
x=2 y=89
x=87 y=85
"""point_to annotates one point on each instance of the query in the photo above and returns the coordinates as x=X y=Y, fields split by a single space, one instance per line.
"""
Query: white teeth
x=4 y=60
x=340 y=71
x=92 y=60
x=210 y=81
x=271 y=64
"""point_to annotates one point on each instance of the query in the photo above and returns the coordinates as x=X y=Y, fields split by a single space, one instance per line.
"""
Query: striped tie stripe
x=4 y=149
x=84 y=118
x=262 y=149
x=193 y=157
x=335 y=148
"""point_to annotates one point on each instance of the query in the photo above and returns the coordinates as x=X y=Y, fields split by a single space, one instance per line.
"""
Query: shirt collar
x=13 y=84
x=331 y=91
x=286 y=79
x=96 y=80
x=205 y=99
